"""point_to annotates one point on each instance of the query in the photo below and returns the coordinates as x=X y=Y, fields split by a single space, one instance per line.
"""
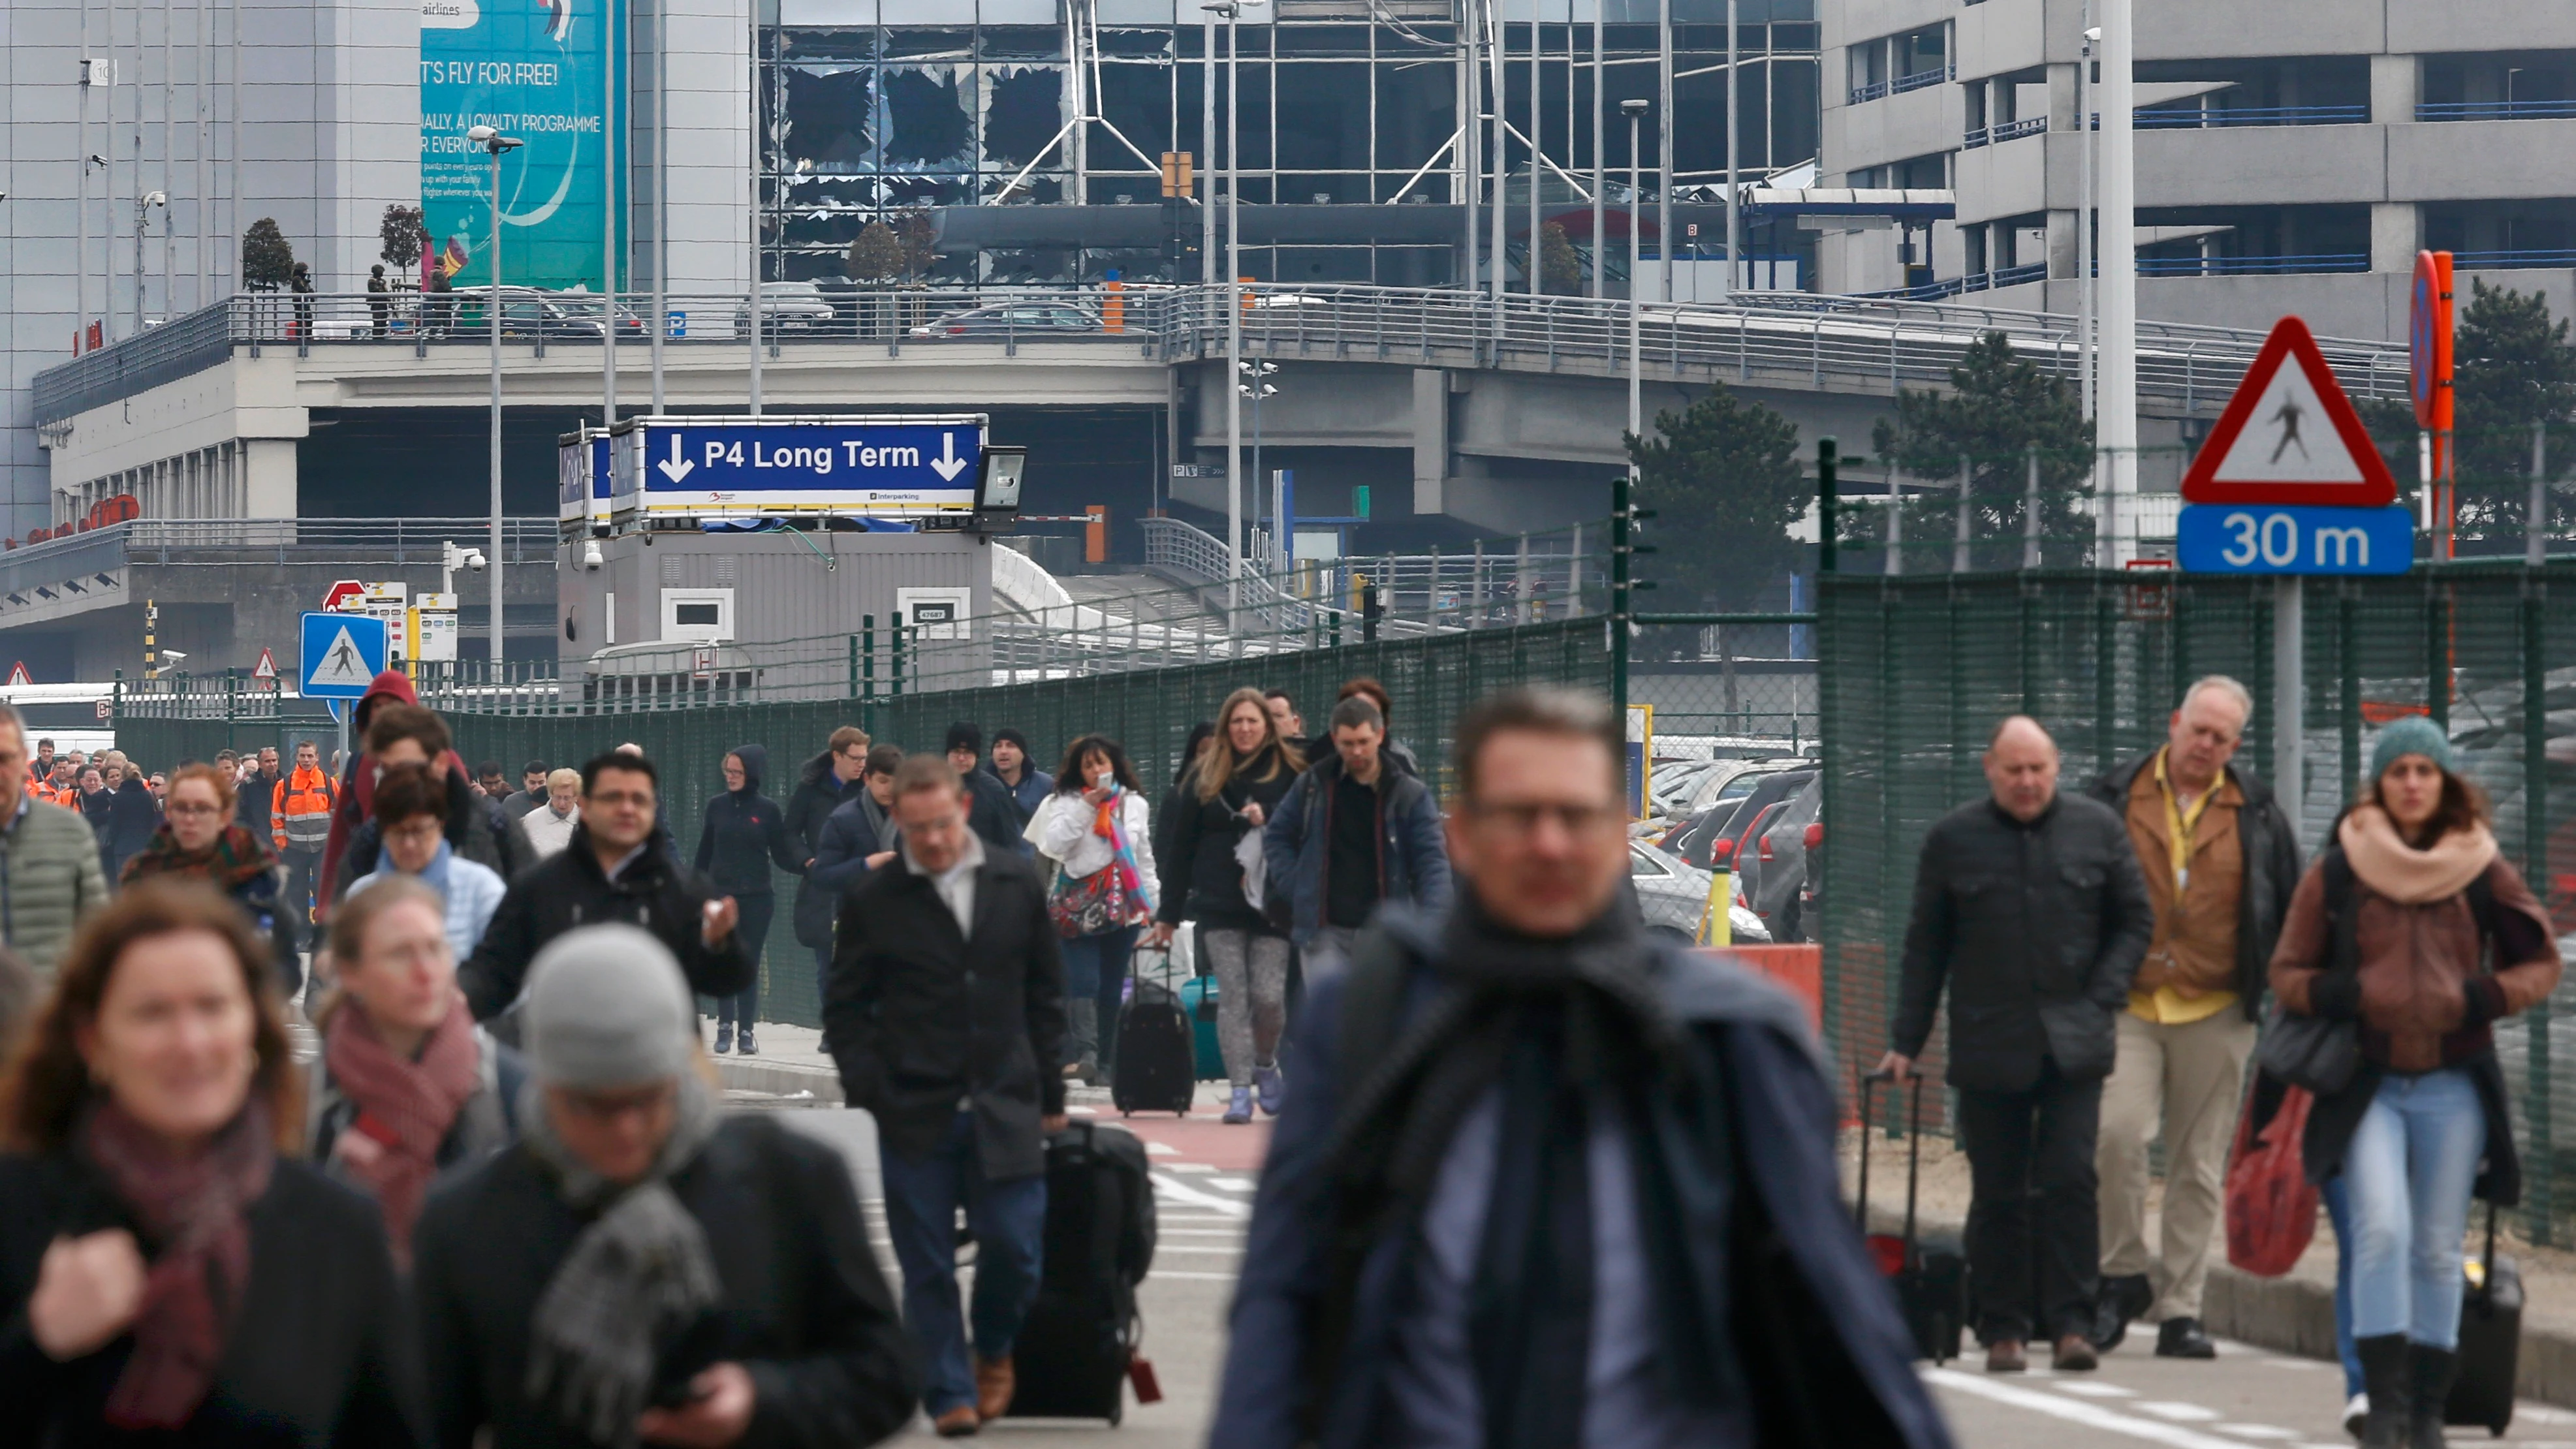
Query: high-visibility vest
x=300 y=810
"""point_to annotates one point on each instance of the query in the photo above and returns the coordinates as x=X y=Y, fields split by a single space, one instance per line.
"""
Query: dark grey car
x=1777 y=874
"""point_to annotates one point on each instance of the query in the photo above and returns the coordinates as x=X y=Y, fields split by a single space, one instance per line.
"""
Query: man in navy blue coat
x=1542 y=1182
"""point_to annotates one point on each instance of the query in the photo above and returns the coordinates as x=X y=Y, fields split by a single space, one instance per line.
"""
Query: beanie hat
x=964 y=736
x=2413 y=735
x=607 y=1007
x=1009 y=736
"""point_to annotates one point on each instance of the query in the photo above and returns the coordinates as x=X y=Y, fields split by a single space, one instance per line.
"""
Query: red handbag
x=2271 y=1206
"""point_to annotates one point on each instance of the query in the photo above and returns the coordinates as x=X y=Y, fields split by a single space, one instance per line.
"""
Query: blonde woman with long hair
x=1231 y=789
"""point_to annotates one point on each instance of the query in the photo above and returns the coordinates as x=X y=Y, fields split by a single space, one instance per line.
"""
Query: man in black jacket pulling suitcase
x=944 y=1011
x=2029 y=907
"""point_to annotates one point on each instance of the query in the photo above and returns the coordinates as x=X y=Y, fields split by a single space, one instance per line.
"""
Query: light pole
x=142 y=212
x=1255 y=384
x=1600 y=162
x=493 y=142
x=1635 y=110
x=1233 y=10
x=2115 y=418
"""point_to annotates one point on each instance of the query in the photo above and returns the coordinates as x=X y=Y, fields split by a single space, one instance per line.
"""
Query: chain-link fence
x=1431 y=678
x=1921 y=668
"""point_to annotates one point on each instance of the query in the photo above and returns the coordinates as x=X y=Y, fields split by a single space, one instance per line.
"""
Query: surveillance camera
x=173 y=656
x=480 y=134
x=474 y=559
x=156 y=198
x=591 y=557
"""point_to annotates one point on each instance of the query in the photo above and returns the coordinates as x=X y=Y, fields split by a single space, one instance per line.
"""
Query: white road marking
x=2258 y=1431
x=1190 y=1167
x=1173 y=1188
x=1232 y=1184
x=1235 y=1233
x=2095 y=1389
x=1161 y=1149
x=2179 y=1413
x=2095 y=1416
x=1194 y=1277
x=1082 y=1111
x=1233 y=1252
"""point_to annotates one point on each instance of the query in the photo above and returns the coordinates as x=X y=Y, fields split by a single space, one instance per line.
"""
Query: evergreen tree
x=1724 y=482
x=877 y=254
x=267 y=260
x=1998 y=409
x=2511 y=366
x=1560 y=266
x=403 y=237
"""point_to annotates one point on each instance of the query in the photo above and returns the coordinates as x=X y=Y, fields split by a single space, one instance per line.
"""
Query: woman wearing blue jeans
x=2423 y=896
x=1095 y=830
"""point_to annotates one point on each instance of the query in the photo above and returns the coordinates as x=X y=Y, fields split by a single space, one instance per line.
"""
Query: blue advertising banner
x=834 y=466
x=537 y=70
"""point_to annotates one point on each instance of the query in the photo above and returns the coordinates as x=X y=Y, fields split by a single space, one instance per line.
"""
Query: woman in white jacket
x=1096 y=830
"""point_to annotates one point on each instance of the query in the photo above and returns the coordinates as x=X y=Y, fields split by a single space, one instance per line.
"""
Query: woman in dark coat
x=1238 y=780
x=745 y=832
x=199 y=840
x=2415 y=929
x=152 y=1178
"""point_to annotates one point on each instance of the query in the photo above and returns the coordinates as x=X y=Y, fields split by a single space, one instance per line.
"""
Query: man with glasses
x=1542 y=1180
x=609 y=872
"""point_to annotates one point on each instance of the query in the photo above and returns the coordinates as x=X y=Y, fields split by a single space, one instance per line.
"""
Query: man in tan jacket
x=2220 y=861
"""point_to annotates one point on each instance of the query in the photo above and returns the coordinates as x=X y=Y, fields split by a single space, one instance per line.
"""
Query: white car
x=786 y=307
x=1672 y=895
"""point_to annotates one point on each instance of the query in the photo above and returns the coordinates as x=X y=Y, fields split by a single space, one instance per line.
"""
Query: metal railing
x=1997 y=134
x=2510 y=260
x=1839 y=342
x=2219 y=117
x=2494 y=110
x=289 y=540
x=2223 y=266
x=1510 y=579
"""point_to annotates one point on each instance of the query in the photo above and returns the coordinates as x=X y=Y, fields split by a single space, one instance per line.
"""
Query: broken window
x=927 y=126
x=1023 y=112
x=826 y=123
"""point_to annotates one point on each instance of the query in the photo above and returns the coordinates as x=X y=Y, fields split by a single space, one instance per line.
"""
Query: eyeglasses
x=1574 y=819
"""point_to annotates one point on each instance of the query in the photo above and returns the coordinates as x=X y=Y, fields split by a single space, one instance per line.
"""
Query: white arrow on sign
x=948 y=465
x=676 y=467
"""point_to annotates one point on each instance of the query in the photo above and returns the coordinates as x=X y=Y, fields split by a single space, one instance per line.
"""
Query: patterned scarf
x=193 y=1208
x=405 y=1106
x=636 y=1279
x=234 y=857
x=1108 y=824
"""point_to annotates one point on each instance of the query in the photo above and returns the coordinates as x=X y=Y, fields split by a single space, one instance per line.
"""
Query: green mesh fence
x=1431 y=678
x=1920 y=668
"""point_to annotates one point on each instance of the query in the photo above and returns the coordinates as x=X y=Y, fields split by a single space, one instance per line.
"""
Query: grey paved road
x=2247 y=1399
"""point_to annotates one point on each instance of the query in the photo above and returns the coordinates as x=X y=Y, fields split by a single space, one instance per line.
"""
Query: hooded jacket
x=357 y=802
x=745 y=831
x=476 y=831
x=1412 y=864
x=569 y=889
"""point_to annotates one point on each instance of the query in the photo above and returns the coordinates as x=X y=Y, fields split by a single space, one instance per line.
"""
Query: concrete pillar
x=2396 y=234
x=270 y=474
x=2061 y=244
x=1430 y=438
x=2396 y=84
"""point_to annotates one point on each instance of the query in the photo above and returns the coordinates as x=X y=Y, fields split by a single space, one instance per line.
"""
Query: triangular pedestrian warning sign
x=18 y=673
x=267 y=666
x=2289 y=435
x=341 y=663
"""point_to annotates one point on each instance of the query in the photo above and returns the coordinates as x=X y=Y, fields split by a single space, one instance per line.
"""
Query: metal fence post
x=1959 y=545
x=854 y=666
x=897 y=682
x=2535 y=858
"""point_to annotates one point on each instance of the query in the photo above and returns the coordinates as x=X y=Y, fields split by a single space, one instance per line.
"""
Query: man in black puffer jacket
x=745 y=832
x=2029 y=906
x=612 y=871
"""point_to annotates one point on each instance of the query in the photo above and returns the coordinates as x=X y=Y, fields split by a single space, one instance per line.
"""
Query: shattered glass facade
x=875 y=106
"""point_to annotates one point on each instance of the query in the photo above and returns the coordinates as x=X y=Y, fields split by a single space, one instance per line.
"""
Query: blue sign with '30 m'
x=2282 y=538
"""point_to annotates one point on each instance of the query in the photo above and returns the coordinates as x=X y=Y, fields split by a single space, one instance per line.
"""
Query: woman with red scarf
x=171 y=1271
x=198 y=839
x=407 y=1085
x=1096 y=834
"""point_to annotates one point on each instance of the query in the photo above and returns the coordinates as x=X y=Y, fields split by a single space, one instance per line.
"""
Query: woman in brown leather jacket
x=2433 y=903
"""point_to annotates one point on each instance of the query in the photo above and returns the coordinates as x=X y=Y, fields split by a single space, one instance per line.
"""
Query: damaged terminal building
x=1020 y=125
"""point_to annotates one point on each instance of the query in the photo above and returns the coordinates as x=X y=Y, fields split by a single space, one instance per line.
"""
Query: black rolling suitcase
x=2490 y=1342
x=1930 y=1275
x=1077 y=1347
x=1156 y=1069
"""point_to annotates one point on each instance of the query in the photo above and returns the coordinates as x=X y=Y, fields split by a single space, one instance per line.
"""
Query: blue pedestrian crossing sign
x=342 y=655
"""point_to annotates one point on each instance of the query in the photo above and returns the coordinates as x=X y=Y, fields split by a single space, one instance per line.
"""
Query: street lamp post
x=493 y=142
x=1635 y=110
x=1233 y=10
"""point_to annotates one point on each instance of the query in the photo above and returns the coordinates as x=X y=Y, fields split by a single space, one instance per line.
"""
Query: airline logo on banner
x=2290 y=436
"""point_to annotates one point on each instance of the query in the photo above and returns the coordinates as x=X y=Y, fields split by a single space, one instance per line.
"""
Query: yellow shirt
x=2164 y=1005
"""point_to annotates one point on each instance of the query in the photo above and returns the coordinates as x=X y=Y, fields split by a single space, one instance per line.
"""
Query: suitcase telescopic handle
x=1913 y=1151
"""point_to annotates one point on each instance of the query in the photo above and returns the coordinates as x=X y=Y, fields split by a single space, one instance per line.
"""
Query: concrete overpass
x=1504 y=416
